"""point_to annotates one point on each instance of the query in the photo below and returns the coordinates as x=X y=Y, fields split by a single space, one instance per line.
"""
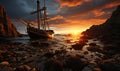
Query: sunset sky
x=66 y=16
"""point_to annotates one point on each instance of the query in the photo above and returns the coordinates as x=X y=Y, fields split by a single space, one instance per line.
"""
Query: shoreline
x=44 y=55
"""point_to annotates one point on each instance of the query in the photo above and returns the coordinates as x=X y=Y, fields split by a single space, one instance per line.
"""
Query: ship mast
x=42 y=21
x=45 y=26
x=38 y=14
x=44 y=16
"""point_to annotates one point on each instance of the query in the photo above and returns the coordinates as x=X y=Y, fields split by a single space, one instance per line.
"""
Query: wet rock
x=87 y=69
x=5 y=66
x=1 y=57
x=74 y=63
x=68 y=41
x=83 y=42
x=95 y=49
x=111 y=49
x=85 y=52
x=77 y=46
x=92 y=44
x=49 y=54
x=23 y=68
x=59 y=52
x=21 y=49
x=15 y=43
x=97 y=69
x=53 y=65
x=45 y=44
x=34 y=69
x=108 y=66
x=5 y=63
x=35 y=43
x=6 y=69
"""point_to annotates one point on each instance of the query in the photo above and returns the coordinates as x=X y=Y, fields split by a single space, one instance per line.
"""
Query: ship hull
x=39 y=34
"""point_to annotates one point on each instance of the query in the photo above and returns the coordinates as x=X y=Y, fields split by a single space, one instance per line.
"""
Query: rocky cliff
x=108 y=30
x=7 y=29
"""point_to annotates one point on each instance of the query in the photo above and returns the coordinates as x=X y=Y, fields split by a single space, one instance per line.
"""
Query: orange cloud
x=100 y=12
x=76 y=25
x=112 y=4
x=71 y=3
x=57 y=17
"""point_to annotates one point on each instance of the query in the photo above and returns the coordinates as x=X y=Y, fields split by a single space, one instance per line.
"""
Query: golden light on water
x=74 y=36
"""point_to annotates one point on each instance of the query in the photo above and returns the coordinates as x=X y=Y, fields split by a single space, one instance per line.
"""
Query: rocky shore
x=45 y=56
x=57 y=55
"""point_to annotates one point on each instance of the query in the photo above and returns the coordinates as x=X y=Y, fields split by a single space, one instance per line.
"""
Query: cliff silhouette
x=7 y=29
x=106 y=31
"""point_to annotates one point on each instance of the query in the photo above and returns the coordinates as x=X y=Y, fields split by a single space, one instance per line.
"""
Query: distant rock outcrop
x=110 y=30
x=7 y=29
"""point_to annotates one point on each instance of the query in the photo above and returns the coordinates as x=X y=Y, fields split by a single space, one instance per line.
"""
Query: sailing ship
x=42 y=31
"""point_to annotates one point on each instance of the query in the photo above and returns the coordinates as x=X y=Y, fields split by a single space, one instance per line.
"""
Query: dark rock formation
x=77 y=46
x=107 y=31
x=53 y=65
x=75 y=64
x=108 y=66
x=7 y=29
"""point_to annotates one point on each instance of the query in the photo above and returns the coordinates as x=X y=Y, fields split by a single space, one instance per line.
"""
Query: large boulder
x=7 y=29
